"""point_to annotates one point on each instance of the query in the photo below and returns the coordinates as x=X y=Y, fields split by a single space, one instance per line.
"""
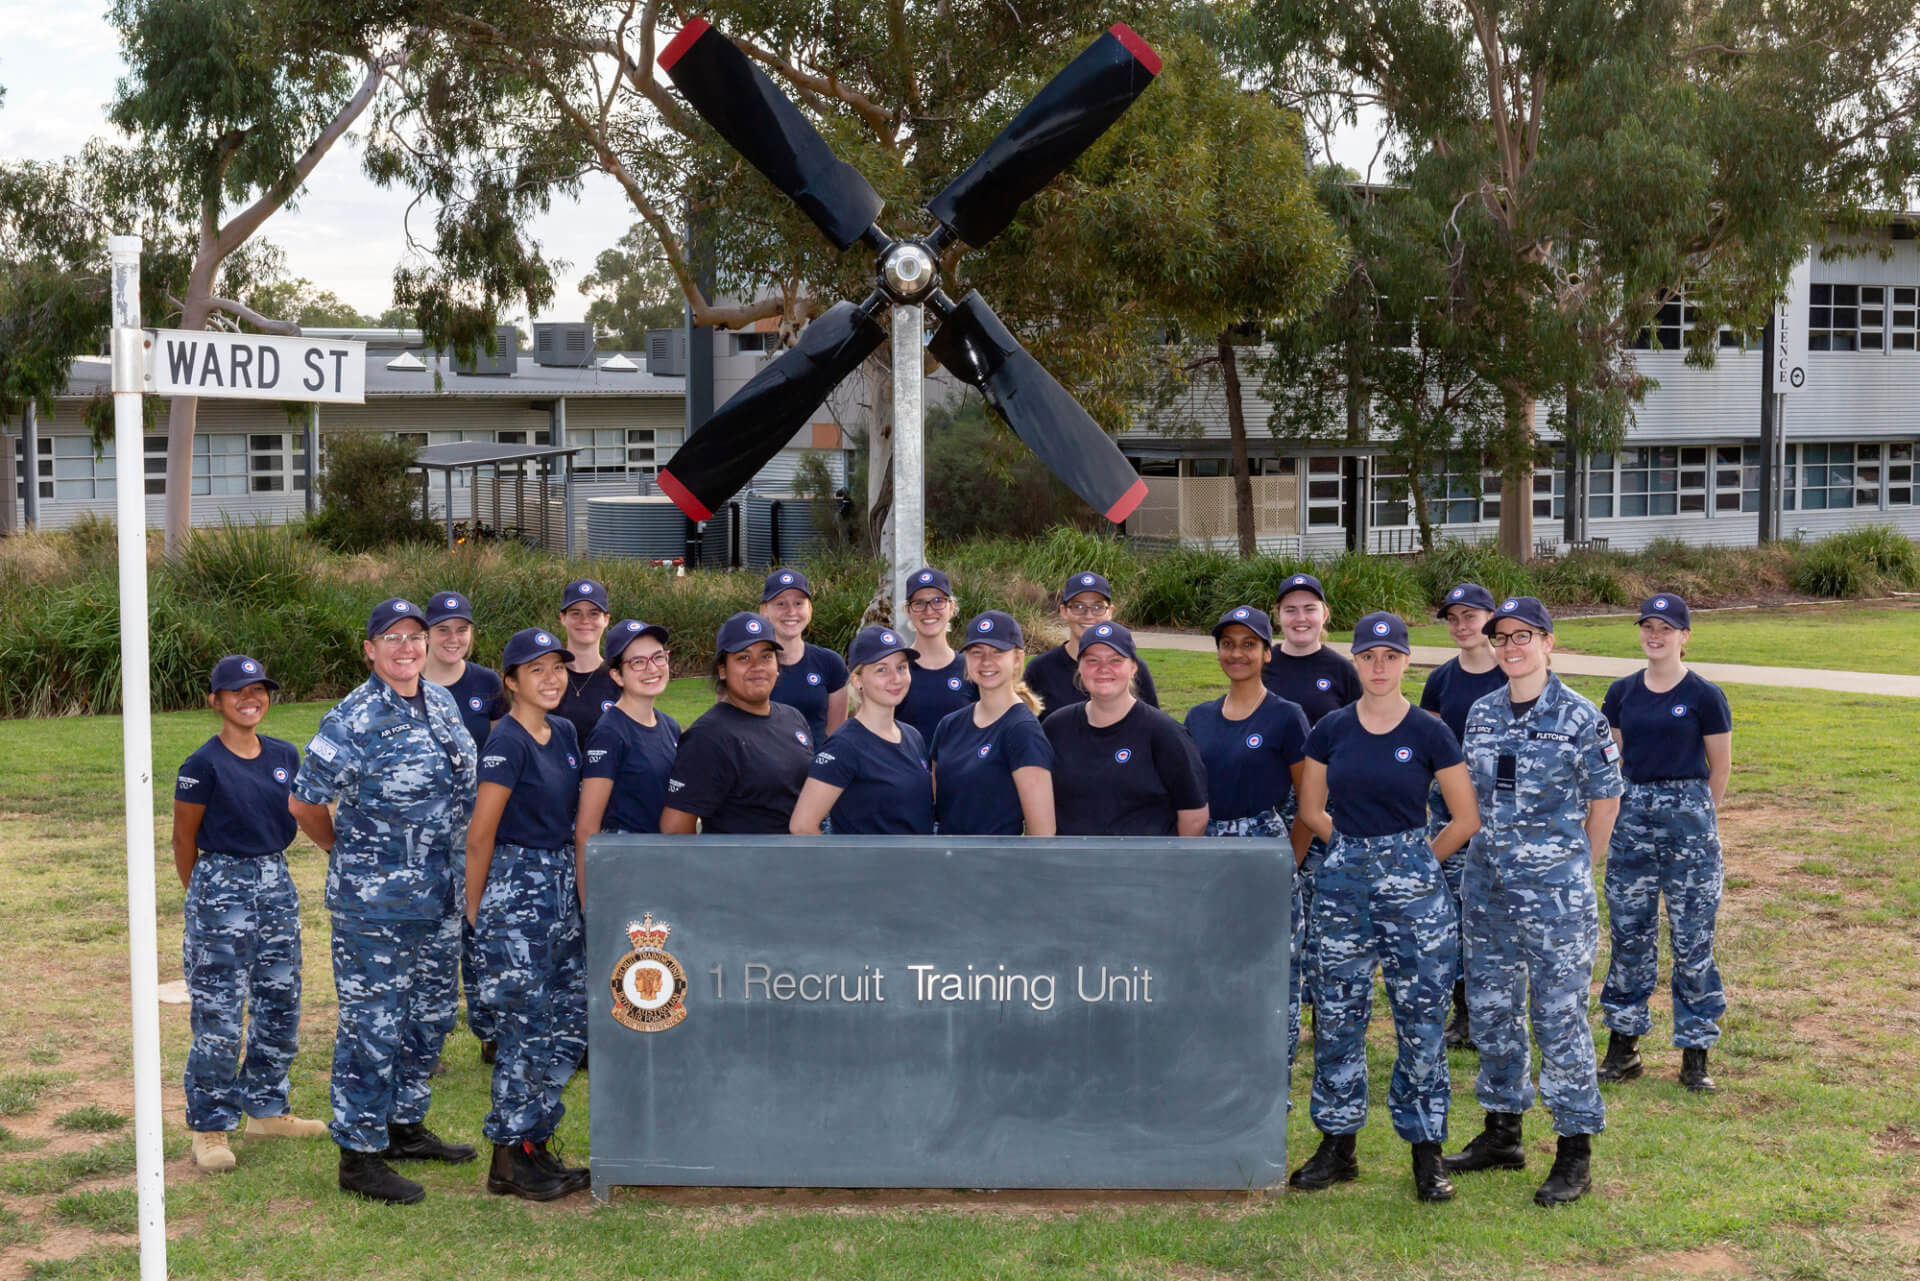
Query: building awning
x=462 y=454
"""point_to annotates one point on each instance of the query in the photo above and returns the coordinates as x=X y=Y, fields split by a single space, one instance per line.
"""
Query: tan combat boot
x=288 y=1126
x=211 y=1152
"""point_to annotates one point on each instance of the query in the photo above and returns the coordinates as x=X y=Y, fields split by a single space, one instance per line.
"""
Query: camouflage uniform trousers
x=397 y=985
x=1533 y=928
x=1664 y=843
x=1453 y=869
x=1303 y=898
x=1274 y=827
x=480 y=1019
x=1380 y=902
x=532 y=945
x=241 y=955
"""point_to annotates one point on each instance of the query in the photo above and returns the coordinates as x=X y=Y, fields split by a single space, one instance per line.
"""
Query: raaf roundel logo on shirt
x=1323 y=683
x=1254 y=741
x=813 y=678
x=280 y=774
x=606 y=704
x=1124 y=755
x=984 y=750
x=800 y=736
x=571 y=762
x=474 y=703
x=953 y=683
x=1679 y=709
x=1403 y=754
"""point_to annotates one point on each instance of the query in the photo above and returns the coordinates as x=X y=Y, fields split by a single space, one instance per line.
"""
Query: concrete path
x=1593 y=665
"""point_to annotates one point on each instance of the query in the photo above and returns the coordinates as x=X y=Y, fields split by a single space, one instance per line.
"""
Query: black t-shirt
x=1050 y=677
x=545 y=778
x=1663 y=736
x=741 y=773
x=1451 y=691
x=1125 y=779
x=481 y=699
x=638 y=758
x=1249 y=762
x=246 y=800
x=973 y=771
x=935 y=694
x=1319 y=682
x=587 y=700
x=885 y=789
x=1377 y=784
x=806 y=685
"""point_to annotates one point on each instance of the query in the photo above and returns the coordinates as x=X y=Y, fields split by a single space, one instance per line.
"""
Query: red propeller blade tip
x=700 y=26
x=1139 y=48
x=1122 y=509
x=683 y=497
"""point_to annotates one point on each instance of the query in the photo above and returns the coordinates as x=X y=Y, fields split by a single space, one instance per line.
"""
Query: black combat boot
x=516 y=1171
x=577 y=1177
x=489 y=1050
x=1430 y=1181
x=1332 y=1163
x=1570 y=1179
x=1497 y=1147
x=1459 y=1034
x=413 y=1141
x=1693 y=1070
x=1623 y=1058
x=365 y=1174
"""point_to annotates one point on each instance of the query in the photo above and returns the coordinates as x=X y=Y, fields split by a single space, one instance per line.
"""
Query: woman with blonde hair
x=992 y=763
x=871 y=774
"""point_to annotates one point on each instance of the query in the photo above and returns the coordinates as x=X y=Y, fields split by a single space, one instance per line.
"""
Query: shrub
x=366 y=496
x=1359 y=584
x=1882 y=549
x=1453 y=561
x=1584 y=578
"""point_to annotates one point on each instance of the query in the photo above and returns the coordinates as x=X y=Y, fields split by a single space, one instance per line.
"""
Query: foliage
x=21 y=1091
x=633 y=290
x=982 y=482
x=114 y=1210
x=92 y=1119
x=367 y=497
x=1860 y=562
x=306 y=304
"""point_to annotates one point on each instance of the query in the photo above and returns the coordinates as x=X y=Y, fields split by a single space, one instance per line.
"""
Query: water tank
x=637 y=527
x=720 y=538
x=780 y=529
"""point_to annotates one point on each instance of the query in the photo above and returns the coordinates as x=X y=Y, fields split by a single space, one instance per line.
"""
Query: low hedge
x=274 y=592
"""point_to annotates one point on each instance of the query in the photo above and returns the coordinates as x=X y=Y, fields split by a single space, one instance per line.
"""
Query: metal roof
x=462 y=454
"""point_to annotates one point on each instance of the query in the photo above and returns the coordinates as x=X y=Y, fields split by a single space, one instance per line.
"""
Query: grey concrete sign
x=937 y=1012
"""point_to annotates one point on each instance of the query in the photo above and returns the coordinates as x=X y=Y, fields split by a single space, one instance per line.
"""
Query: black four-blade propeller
x=763 y=125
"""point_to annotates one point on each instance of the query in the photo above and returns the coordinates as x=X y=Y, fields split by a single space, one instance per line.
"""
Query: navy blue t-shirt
x=1377 y=784
x=481 y=699
x=1318 y=682
x=1249 y=762
x=806 y=684
x=1663 y=736
x=638 y=758
x=586 y=700
x=246 y=800
x=1451 y=691
x=885 y=789
x=741 y=773
x=1129 y=778
x=974 y=794
x=545 y=780
x=1050 y=677
x=935 y=694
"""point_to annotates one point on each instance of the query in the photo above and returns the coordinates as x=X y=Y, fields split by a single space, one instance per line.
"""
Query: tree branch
x=878 y=118
x=265 y=324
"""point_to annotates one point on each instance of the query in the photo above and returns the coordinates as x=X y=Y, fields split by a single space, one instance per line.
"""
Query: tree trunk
x=1237 y=431
x=183 y=412
x=1516 y=481
x=1422 y=514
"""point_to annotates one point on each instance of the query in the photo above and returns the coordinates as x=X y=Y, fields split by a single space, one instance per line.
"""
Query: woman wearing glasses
x=1085 y=600
x=624 y=784
x=396 y=757
x=1120 y=767
x=1545 y=776
x=741 y=766
x=940 y=686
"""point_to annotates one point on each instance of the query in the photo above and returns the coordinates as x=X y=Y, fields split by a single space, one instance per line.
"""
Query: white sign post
x=1789 y=355
x=136 y=738
x=185 y=362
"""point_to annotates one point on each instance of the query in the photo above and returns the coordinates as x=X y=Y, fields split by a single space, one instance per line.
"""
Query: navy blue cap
x=995 y=630
x=1112 y=635
x=392 y=610
x=1669 y=609
x=1086 y=581
x=620 y=635
x=1251 y=617
x=237 y=671
x=1527 y=609
x=1299 y=583
x=1380 y=631
x=587 y=591
x=875 y=643
x=928 y=576
x=781 y=580
x=445 y=605
x=1472 y=595
x=529 y=644
x=742 y=630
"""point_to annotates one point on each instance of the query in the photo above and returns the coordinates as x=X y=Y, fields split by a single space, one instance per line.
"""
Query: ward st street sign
x=183 y=362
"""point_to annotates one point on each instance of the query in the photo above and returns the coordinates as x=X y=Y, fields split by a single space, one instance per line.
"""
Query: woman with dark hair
x=812 y=677
x=630 y=756
x=740 y=767
x=585 y=612
x=940 y=686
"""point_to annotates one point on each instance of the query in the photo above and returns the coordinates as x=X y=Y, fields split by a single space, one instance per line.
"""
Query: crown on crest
x=646 y=936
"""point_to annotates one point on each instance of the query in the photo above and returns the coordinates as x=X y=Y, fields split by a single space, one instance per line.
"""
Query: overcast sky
x=59 y=66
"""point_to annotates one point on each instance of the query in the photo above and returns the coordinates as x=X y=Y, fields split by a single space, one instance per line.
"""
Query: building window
x=154 y=450
x=1833 y=318
x=1736 y=478
x=1649 y=481
x=1900 y=474
x=1324 y=491
x=1456 y=496
x=68 y=469
x=755 y=343
x=267 y=463
x=1671 y=324
x=1900 y=321
x=219 y=464
x=1823 y=475
x=1550 y=488
x=613 y=450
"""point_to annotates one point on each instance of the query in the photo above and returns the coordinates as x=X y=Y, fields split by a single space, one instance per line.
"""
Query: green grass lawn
x=1861 y=638
x=1804 y=1166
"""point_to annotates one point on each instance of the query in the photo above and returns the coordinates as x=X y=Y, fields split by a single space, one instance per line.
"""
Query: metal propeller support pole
x=909 y=455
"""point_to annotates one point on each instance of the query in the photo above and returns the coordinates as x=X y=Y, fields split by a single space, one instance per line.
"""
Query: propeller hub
x=908 y=271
